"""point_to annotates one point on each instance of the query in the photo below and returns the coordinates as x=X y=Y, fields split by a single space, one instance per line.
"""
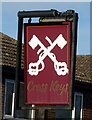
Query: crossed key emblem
x=59 y=67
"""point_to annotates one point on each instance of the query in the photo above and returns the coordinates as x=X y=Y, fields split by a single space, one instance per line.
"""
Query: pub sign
x=47 y=63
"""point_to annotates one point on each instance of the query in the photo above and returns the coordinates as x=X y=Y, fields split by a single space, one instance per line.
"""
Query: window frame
x=13 y=98
x=81 y=111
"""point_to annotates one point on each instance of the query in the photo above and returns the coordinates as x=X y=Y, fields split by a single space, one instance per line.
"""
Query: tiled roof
x=84 y=68
x=9 y=46
x=8 y=51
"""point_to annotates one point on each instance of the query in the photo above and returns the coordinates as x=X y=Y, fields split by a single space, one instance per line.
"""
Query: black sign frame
x=54 y=14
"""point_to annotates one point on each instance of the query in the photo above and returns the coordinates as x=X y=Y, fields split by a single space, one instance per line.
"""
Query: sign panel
x=47 y=63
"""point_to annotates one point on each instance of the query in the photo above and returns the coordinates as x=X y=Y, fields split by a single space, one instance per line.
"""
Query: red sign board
x=47 y=64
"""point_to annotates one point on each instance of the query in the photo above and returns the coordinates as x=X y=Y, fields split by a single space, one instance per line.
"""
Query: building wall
x=3 y=94
x=0 y=100
x=87 y=114
x=47 y=114
x=87 y=106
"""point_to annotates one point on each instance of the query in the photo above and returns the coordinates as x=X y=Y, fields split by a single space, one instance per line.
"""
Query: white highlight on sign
x=60 y=67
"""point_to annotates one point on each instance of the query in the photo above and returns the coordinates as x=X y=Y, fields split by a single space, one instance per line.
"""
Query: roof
x=84 y=68
x=8 y=51
x=8 y=58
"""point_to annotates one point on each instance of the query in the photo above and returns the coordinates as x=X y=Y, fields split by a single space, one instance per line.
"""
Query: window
x=9 y=98
x=78 y=106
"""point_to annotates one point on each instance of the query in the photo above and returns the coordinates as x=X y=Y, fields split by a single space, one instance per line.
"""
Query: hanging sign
x=47 y=63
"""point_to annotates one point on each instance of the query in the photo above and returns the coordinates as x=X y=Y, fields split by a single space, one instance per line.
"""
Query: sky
x=10 y=19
